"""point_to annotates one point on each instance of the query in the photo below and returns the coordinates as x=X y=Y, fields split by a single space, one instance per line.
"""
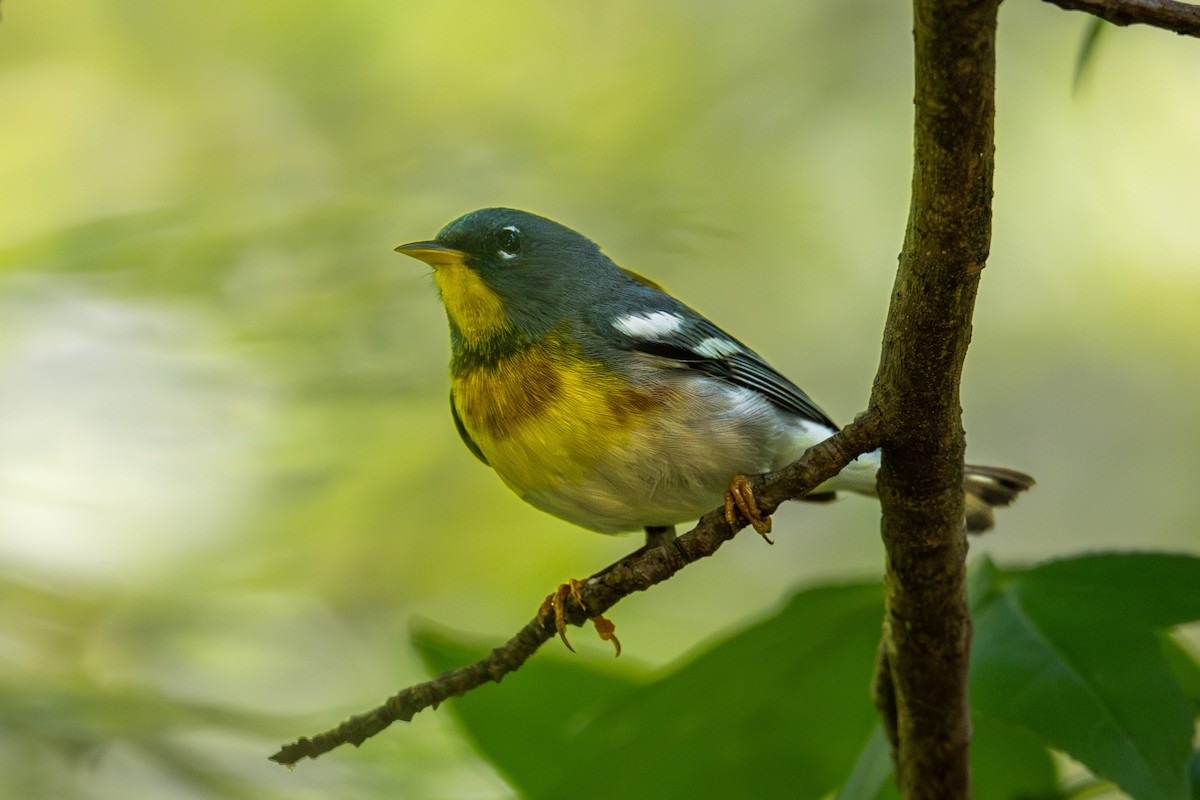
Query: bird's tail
x=989 y=487
x=985 y=487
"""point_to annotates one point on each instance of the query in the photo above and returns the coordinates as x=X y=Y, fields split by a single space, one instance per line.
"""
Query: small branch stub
x=1182 y=18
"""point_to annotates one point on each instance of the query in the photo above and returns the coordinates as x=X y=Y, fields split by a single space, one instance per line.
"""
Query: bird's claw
x=740 y=505
x=557 y=602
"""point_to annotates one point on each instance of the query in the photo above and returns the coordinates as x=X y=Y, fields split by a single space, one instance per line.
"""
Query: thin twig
x=636 y=573
x=1182 y=18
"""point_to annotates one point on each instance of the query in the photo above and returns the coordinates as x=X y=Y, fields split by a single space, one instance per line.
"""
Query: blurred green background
x=229 y=482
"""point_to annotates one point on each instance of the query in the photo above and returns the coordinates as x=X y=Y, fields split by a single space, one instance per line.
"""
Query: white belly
x=675 y=467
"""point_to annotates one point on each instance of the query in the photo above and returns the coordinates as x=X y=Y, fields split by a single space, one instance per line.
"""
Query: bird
x=598 y=397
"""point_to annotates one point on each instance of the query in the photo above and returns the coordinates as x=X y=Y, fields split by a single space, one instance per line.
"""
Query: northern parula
x=601 y=399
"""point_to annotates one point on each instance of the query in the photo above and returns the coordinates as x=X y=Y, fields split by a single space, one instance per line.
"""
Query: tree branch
x=927 y=630
x=1182 y=18
x=637 y=572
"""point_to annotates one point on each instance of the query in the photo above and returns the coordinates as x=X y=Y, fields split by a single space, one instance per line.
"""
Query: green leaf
x=1007 y=761
x=1068 y=655
x=872 y=771
x=1186 y=669
x=1069 y=651
x=524 y=726
x=780 y=710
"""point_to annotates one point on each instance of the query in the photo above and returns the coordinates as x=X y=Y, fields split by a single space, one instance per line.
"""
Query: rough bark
x=927 y=631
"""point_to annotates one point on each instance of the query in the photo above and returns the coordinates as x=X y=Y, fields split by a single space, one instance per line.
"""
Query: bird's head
x=499 y=269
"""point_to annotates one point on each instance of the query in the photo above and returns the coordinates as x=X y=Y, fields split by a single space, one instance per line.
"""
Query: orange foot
x=604 y=627
x=740 y=504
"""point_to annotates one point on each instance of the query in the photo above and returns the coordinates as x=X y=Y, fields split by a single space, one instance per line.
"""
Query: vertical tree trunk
x=927 y=632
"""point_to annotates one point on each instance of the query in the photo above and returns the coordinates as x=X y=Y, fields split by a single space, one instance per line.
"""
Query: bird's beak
x=434 y=254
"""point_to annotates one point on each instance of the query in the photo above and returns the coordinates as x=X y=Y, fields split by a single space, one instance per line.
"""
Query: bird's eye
x=508 y=239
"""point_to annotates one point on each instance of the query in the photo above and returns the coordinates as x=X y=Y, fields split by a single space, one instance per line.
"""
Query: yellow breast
x=545 y=416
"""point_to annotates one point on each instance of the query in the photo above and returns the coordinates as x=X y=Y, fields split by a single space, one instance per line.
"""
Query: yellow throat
x=472 y=306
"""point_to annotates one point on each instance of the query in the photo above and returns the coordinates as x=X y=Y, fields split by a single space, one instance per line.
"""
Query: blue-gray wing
x=688 y=339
